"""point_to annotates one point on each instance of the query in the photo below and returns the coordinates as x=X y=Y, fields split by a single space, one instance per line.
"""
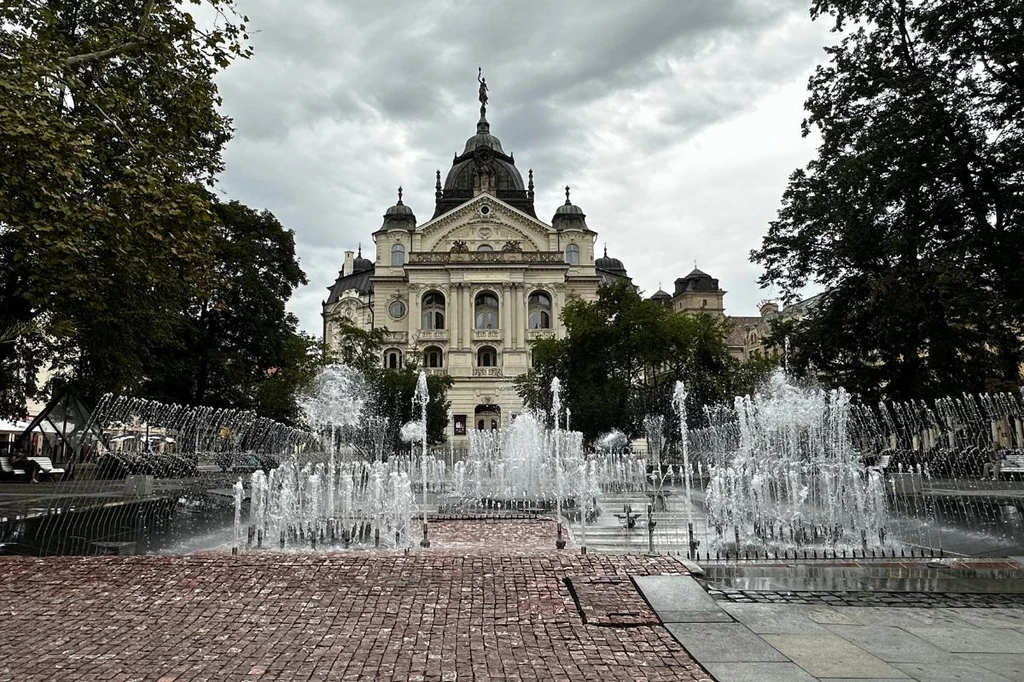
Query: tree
x=393 y=389
x=393 y=398
x=108 y=130
x=910 y=215
x=237 y=334
x=277 y=394
x=620 y=361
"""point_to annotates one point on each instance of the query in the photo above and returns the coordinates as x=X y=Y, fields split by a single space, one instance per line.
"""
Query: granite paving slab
x=831 y=656
x=972 y=640
x=910 y=616
x=952 y=672
x=1008 y=665
x=723 y=642
x=891 y=643
x=774 y=619
x=680 y=599
x=759 y=672
x=991 y=618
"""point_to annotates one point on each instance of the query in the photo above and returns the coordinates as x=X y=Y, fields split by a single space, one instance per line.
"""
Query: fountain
x=794 y=479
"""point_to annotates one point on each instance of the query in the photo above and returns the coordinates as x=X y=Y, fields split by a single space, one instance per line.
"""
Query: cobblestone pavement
x=431 y=615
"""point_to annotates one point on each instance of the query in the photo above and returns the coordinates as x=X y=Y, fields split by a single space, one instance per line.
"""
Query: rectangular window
x=460 y=424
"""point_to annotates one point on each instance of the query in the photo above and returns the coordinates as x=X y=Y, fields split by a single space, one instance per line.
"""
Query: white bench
x=1013 y=464
x=8 y=470
x=46 y=467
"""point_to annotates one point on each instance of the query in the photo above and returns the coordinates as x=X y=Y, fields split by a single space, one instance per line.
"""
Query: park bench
x=9 y=471
x=46 y=467
x=1013 y=464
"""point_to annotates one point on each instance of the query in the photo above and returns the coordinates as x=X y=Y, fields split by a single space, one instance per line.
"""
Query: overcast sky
x=676 y=122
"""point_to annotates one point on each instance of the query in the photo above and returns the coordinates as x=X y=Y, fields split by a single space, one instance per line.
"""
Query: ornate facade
x=468 y=292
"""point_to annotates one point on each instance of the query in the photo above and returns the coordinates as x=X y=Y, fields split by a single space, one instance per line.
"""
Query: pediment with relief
x=484 y=219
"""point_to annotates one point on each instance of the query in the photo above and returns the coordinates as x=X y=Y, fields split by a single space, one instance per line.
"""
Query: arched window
x=487 y=357
x=392 y=358
x=397 y=255
x=485 y=305
x=485 y=247
x=539 y=307
x=572 y=254
x=433 y=310
x=433 y=357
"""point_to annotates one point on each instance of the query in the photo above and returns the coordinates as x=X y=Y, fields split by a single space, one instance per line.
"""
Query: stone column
x=506 y=316
x=454 y=328
x=467 y=314
x=513 y=301
x=415 y=300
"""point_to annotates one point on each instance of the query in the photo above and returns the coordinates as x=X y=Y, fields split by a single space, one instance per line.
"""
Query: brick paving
x=468 y=611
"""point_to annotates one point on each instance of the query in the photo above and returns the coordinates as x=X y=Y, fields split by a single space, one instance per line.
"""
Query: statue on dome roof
x=483 y=88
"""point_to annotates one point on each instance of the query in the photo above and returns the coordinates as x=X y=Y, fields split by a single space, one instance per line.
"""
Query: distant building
x=700 y=292
x=467 y=292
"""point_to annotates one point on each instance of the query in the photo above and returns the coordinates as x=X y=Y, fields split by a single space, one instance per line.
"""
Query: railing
x=433 y=334
x=487 y=335
x=396 y=337
x=428 y=257
x=534 y=334
x=436 y=372
x=487 y=372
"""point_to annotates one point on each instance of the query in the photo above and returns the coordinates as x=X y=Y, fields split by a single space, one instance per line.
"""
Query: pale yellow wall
x=484 y=220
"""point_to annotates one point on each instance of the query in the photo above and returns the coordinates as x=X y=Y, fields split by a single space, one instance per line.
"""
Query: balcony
x=436 y=371
x=487 y=372
x=485 y=257
x=537 y=334
x=487 y=335
x=397 y=337
x=433 y=335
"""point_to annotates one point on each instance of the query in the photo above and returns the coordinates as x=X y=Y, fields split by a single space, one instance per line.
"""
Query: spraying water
x=679 y=404
x=421 y=398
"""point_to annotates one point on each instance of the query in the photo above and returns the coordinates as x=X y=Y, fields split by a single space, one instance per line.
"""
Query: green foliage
x=237 y=336
x=621 y=360
x=393 y=398
x=910 y=216
x=109 y=126
x=360 y=348
x=393 y=390
x=277 y=394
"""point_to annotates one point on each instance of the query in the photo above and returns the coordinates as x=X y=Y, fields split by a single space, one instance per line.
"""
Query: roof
x=483 y=156
x=360 y=281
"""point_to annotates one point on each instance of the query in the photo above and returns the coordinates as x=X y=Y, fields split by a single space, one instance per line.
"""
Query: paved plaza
x=462 y=610
x=490 y=600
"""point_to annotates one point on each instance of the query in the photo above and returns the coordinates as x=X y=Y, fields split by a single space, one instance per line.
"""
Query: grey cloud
x=342 y=102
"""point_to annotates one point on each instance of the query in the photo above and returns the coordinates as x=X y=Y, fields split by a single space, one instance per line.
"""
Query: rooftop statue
x=483 y=88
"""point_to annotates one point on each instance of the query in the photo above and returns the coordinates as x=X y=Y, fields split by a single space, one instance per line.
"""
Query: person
x=994 y=465
x=19 y=460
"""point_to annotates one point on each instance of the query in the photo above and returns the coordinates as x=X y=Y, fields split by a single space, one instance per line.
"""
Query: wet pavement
x=808 y=641
x=466 y=609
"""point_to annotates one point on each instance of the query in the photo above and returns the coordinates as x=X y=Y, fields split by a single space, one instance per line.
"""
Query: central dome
x=483 y=166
